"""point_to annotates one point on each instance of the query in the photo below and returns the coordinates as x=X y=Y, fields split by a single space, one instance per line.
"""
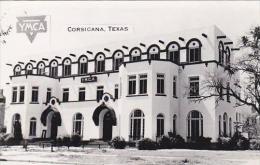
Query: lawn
x=16 y=155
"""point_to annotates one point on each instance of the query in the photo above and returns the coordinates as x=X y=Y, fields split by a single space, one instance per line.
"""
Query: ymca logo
x=31 y=25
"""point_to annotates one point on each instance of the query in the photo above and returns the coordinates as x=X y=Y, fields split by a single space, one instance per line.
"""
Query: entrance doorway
x=52 y=126
x=107 y=126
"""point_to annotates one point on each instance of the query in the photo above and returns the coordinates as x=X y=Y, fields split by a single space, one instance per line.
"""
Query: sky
x=143 y=19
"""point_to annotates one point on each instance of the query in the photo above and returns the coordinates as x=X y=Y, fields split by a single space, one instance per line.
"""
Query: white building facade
x=144 y=90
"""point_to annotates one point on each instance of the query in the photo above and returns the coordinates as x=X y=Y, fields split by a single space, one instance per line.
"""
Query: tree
x=246 y=90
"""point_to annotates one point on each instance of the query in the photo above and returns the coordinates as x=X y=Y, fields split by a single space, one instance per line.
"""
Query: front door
x=54 y=128
x=107 y=126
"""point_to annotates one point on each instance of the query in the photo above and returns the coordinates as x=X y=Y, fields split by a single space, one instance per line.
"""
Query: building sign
x=89 y=79
x=31 y=25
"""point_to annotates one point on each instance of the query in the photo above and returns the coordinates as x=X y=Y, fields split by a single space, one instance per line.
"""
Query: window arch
x=193 y=50
x=174 y=124
x=225 y=124
x=66 y=64
x=219 y=126
x=160 y=125
x=137 y=123
x=195 y=124
x=135 y=54
x=83 y=65
x=41 y=68
x=230 y=127
x=221 y=52
x=17 y=70
x=100 y=62
x=118 y=59
x=16 y=122
x=29 y=68
x=78 y=123
x=227 y=56
x=32 y=127
x=54 y=68
x=173 y=52
x=153 y=52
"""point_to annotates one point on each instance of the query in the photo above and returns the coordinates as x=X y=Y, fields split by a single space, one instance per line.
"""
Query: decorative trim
x=34 y=103
x=137 y=95
x=159 y=94
x=227 y=43
x=219 y=37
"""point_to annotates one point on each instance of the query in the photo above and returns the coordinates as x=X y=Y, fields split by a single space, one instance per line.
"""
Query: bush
x=164 y=142
x=118 y=142
x=3 y=130
x=203 y=142
x=254 y=144
x=239 y=142
x=177 y=142
x=66 y=141
x=224 y=143
x=76 y=140
x=59 y=142
x=147 y=144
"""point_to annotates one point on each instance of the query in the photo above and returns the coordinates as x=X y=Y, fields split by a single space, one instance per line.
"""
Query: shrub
x=59 y=142
x=239 y=142
x=203 y=142
x=164 y=142
x=177 y=142
x=76 y=140
x=147 y=144
x=224 y=143
x=254 y=144
x=66 y=141
x=118 y=142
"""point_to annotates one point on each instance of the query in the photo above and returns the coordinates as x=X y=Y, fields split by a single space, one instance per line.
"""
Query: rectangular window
x=65 y=97
x=48 y=95
x=160 y=83
x=118 y=62
x=35 y=93
x=194 y=54
x=116 y=91
x=14 y=95
x=194 y=86
x=132 y=85
x=228 y=94
x=83 y=68
x=67 y=70
x=82 y=94
x=54 y=71
x=136 y=58
x=174 y=56
x=101 y=66
x=143 y=84
x=21 y=98
x=174 y=86
x=100 y=92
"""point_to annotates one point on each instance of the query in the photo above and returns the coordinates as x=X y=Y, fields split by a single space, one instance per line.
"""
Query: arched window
x=230 y=127
x=225 y=121
x=174 y=124
x=16 y=123
x=29 y=68
x=53 y=68
x=227 y=56
x=153 y=52
x=17 y=70
x=78 y=123
x=219 y=126
x=100 y=63
x=41 y=68
x=160 y=125
x=118 y=59
x=221 y=52
x=195 y=125
x=83 y=65
x=32 y=127
x=66 y=64
x=135 y=54
x=173 y=52
x=193 y=50
x=137 y=125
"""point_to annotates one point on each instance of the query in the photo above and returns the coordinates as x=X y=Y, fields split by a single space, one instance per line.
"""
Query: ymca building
x=135 y=90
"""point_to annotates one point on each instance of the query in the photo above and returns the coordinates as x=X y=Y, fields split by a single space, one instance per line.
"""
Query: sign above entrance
x=89 y=79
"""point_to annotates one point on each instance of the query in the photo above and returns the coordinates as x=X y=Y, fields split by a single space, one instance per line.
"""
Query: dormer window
x=41 y=68
x=173 y=52
x=100 y=63
x=83 y=65
x=193 y=51
x=135 y=54
x=118 y=59
x=29 y=69
x=66 y=67
x=53 y=68
x=154 y=52
x=221 y=52
x=17 y=70
x=227 y=56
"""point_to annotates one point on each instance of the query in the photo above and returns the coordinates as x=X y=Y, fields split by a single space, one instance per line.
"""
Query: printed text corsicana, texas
x=101 y=28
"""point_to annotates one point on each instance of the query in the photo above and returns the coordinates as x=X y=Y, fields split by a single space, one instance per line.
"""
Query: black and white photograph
x=129 y=82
